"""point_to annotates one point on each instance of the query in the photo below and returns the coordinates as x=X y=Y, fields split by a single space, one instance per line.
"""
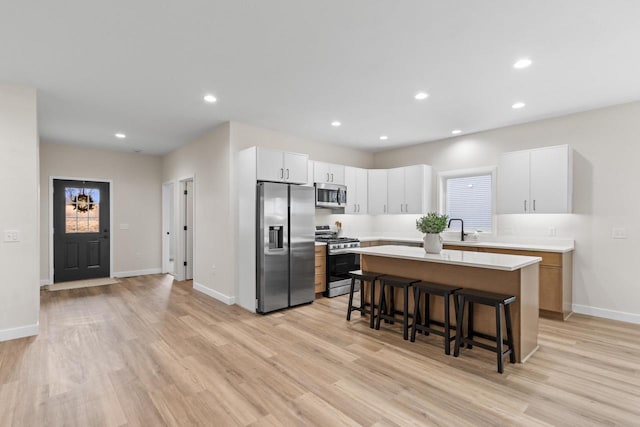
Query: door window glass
x=82 y=210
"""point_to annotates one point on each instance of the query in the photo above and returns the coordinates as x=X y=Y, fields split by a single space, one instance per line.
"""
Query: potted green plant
x=432 y=225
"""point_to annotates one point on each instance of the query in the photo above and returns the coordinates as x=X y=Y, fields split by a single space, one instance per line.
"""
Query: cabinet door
x=337 y=174
x=513 y=183
x=362 y=187
x=414 y=191
x=377 y=191
x=395 y=191
x=270 y=165
x=351 y=181
x=295 y=167
x=321 y=172
x=550 y=183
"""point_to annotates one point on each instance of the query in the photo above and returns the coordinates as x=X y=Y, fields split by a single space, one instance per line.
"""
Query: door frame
x=166 y=202
x=111 y=234
x=179 y=222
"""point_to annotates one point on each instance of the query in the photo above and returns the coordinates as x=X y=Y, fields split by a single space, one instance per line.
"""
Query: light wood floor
x=146 y=352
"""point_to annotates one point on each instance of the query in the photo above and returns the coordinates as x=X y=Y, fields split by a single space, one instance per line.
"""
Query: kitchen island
x=491 y=272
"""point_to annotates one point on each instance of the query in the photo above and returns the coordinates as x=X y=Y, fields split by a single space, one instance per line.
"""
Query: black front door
x=80 y=230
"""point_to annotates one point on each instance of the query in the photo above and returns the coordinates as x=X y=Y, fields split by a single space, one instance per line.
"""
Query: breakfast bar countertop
x=464 y=258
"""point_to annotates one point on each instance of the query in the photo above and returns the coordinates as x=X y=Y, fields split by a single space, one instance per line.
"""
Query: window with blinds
x=470 y=198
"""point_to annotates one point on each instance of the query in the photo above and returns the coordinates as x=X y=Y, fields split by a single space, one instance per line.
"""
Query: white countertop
x=463 y=258
x=543 y=247
x=321 y=244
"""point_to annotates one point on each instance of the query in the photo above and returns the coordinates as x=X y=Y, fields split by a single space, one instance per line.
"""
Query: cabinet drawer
x=320 y=283
x=461 y=248
x=321 y=251
x=548 y=258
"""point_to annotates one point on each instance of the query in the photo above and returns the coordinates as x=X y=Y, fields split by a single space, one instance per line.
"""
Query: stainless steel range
x=340 y=260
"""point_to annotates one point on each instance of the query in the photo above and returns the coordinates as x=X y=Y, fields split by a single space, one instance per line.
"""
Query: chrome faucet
x=462 y=227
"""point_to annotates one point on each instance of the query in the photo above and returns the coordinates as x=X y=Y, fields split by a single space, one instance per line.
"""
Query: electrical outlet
x=619 y=233
x=552 y=231
x=11 y=236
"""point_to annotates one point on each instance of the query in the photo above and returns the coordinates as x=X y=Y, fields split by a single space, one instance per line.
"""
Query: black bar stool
x=427 y=289
x=392 y=282
x=363 y=276
x=498 y=301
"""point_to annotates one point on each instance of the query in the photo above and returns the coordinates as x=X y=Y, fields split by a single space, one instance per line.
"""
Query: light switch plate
x=619 y=233
x=11 y=236
x=124 y=226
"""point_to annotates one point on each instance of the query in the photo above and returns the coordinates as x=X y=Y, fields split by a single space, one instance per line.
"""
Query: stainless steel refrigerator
x=285 y=247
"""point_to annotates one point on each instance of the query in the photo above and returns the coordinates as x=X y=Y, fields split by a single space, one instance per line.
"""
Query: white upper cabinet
x=395 y=191
x=536 y=181
x=377 y=191
x=279 y=166
x=356 y=181
x=552 y=180
x=296 y=166
x=409 y=190
x=328 y=173
x=513 y=182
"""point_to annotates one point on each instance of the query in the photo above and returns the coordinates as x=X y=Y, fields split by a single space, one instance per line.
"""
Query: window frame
x=463 y=173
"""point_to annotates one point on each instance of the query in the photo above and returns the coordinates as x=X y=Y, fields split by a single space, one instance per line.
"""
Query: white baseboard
x=214 y=294
x=45 y=282
x=20 y=332
x=606 y=313
x=138 y=272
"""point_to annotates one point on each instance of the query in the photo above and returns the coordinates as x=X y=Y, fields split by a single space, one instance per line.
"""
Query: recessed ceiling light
x=384 y=137
x=522 y=63
x=335 y=123
x=456 y=131
x=210 y=98
x=518 y=105
x=121 y=135
x=421 y=95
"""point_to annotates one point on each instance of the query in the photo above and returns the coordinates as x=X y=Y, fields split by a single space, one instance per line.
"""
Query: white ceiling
x=142 y=67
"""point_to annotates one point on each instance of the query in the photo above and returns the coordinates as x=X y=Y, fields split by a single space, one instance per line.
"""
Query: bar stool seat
x=363 y=276
x=427 y=289
x=499 y=302
x=393 y=282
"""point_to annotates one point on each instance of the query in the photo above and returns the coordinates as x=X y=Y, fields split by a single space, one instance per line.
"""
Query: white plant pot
x=432 y=243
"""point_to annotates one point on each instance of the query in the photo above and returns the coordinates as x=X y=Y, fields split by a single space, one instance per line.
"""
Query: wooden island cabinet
x=556 y=273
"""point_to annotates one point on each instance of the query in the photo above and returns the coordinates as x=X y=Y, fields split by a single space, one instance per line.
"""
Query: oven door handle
x=342 y=251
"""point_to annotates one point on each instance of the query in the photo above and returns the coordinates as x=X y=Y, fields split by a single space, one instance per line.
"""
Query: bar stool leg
x=507 y=318
x=427 y=311
x=392 y=309
x=405 y=315
x=372 y=299
x=416 y=313
x=362 y=283
x=381 y=306
x=353 y=282
x=447 y=325
x=459 y=319
x=470 y=325
x=499 y=337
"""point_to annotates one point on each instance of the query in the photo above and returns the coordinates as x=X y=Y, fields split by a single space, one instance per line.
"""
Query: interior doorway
x=81 y=229
x=168 y=228
x=184 y=265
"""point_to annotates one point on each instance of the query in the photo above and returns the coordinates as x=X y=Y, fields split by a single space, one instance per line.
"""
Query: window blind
x=470 y=198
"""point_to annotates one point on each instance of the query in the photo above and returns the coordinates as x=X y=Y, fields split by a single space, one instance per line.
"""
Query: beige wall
x=19 y=284
x=606 y=173
x=208 y=159
x=211 y=159
x=137 y=201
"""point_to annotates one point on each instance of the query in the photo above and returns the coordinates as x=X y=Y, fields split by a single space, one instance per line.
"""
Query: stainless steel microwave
x=332 y=196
